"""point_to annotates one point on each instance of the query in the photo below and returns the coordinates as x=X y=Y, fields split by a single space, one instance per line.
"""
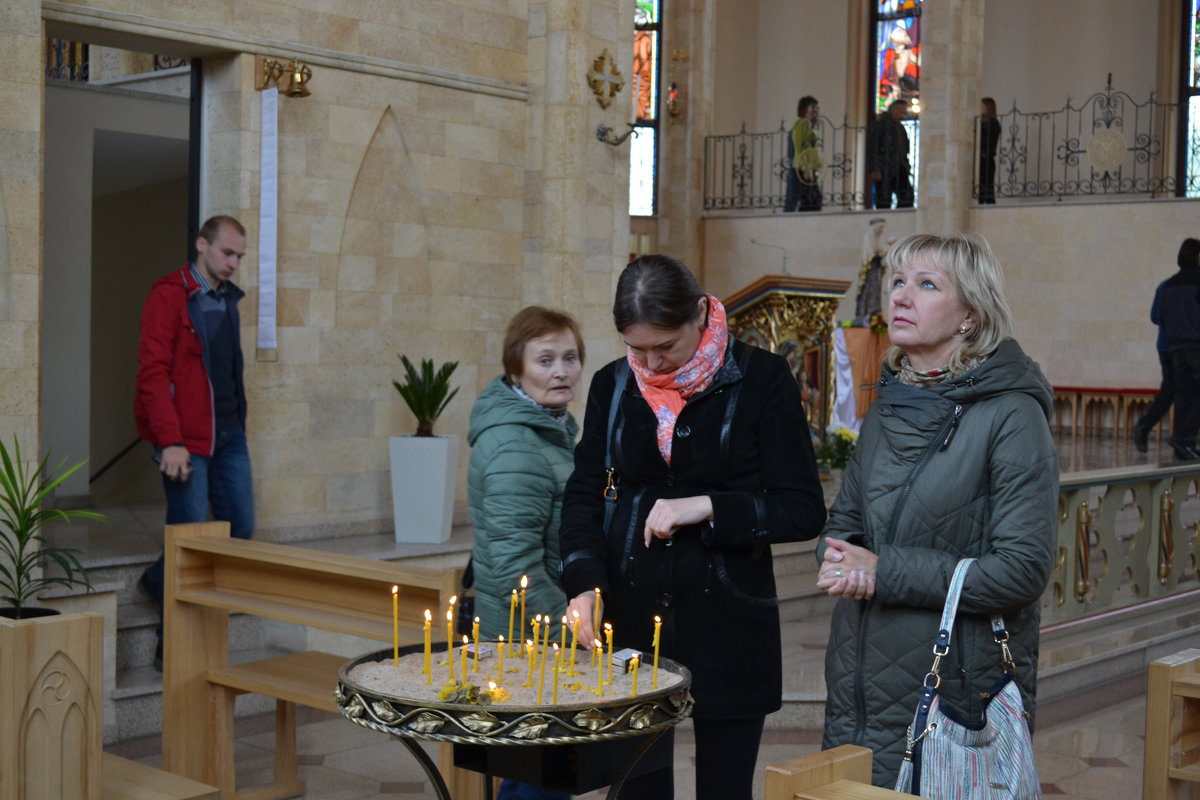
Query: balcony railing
x=1108 y=145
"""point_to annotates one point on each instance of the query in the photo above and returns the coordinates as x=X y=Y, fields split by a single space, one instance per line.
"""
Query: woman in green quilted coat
x=955 y=459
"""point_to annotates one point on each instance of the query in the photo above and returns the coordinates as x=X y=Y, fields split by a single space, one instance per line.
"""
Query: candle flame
x=395 y=590
x=597 y=643
x=524 y=581
x=608 y=626
x=555 y=647
x=576 y=613
x=658 y=619
x=501 y=638
x=449 y=616
x=491 y=684
x=428 y=616
x=477 y=620
x=454 y=599
x=464 y=640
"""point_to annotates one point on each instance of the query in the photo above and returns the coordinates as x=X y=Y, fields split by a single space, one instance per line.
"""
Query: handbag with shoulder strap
x=947 y=757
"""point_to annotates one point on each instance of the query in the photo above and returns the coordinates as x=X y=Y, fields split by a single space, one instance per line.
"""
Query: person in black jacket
x=989 y=141
x=1179 y=315
x=713 y=463
x=887 y=159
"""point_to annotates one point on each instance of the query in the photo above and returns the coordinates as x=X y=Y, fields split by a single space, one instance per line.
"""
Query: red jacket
x=174 y=397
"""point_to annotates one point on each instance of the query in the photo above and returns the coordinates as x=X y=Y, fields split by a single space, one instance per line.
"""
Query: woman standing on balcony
x=989 y=141
x=955 y=459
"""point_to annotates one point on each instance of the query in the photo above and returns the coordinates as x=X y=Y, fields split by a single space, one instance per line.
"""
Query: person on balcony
x=804 y=158
x=989 y=142
x=887 y=159
x=955 y=459
x=1178 y=302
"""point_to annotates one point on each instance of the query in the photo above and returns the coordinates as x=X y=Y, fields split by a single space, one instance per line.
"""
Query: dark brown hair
x=212 y=226
x=656 y=290
x=1189 y=251
x=989 y=106
x=531 y=323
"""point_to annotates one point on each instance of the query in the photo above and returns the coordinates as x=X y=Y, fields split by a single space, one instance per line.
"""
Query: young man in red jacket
x=191 y=402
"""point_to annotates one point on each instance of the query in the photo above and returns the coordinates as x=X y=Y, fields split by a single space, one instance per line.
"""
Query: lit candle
x=637 y=662
x=563 y=645
x=557 y=667
x=475 y=638
x=542 y=671
x=500 y=672
x=657 y=631
x=597 y=649
x=428 y=668
x=574 y=640
x=608 y=636
x=450 y=642
x=464 y=659
x=524 y=583
x=596 y=615
x=512 y=610
x=395 y=626
x=537 y=623
x=529 y=651
x=545 y=645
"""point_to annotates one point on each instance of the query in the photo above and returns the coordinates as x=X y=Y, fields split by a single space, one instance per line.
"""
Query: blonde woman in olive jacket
x=955 y=459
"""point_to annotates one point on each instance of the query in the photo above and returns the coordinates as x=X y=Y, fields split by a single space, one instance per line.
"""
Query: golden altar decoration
x=794 y=317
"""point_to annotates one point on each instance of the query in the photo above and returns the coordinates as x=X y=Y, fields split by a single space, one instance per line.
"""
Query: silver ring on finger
x=837 y=573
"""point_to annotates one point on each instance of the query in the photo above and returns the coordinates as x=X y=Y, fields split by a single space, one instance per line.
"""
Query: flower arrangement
x=878 y=323
x=835 y=449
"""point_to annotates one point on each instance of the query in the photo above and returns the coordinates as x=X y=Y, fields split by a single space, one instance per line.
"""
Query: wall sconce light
x=674 y=101
x=291 y=78
x=606 y=134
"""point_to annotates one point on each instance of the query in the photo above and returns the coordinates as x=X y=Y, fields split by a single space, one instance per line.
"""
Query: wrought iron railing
x=1123 y=540
x=747 y=171
x=1108 y=145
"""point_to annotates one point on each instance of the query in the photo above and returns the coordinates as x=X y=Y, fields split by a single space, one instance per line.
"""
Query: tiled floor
x=1097 y=756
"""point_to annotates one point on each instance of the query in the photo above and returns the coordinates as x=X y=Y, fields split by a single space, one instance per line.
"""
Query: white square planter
x=424 y=475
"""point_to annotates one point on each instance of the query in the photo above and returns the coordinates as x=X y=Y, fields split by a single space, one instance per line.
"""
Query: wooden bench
x=1171 y=765
x=841 y=773
x=209 y=575
x=128 y=780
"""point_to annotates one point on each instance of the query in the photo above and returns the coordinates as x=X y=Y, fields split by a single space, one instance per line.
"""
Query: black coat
x=712 y=585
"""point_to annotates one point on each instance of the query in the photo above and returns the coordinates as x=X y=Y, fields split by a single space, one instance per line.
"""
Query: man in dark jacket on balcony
x=887 y=159
x=1178 y=303
x=190 y=401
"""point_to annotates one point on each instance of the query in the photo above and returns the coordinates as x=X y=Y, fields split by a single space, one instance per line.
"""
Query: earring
x=962 y=330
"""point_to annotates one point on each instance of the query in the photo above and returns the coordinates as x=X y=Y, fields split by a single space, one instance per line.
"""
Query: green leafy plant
x=834 y=451
x=426 y=392
x=24 y=492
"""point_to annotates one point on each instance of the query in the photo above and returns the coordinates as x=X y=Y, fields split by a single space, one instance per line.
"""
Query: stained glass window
x=643 y=151
x=1191 y=96
x=898 y=53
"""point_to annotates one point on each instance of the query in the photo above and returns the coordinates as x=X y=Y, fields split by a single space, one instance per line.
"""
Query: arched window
x=896 y=73
x=643 y=151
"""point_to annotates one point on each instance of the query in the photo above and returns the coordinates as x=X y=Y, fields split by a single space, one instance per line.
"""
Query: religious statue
x=868 y=304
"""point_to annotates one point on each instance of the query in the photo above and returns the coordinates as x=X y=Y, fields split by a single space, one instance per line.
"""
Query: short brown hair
x=212 y=226
x=530 y=323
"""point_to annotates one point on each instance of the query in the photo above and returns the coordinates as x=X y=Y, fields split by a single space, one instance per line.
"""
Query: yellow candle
x=512 y=610
x=428 y=668
x=563 y=645
x=596 y=615
x=557 y=667
x=636 y=664
x=524 y=583
x=545 y=645
x=475 y=637
x=529 y=651
x=450 y=642
x=500 y=672
x=537 y=623
x=657 y=631
x=598 y=648
x=574 y=640
x=542 y=671
x=464 y=658
x=608 y=636
x=395 y=626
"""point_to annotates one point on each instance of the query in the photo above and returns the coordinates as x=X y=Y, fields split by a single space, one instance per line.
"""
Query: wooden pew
x=841 y=773
x=209 y=575
x=1171 y=766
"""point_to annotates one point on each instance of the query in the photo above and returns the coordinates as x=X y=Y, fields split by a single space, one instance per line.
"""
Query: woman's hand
x=848 y=570
x=583 y=606
x=668 y=516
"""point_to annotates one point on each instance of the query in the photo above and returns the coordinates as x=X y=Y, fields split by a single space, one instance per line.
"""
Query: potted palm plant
x=424 y=464
x=24 y=491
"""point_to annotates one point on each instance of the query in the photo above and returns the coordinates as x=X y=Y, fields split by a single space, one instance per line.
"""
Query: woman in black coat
x=989 y=141
x=713 y=462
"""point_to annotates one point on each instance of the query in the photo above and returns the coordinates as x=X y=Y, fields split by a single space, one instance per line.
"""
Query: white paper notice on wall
x=268 y=219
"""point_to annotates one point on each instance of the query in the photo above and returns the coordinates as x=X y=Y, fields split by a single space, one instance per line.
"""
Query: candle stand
x=573 y=748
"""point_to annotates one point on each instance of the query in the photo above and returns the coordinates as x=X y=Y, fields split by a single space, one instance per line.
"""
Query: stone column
x=21 y=53
x=576 y=187
x=951 y=67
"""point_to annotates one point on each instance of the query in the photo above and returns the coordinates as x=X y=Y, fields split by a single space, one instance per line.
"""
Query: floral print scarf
x=666 y=393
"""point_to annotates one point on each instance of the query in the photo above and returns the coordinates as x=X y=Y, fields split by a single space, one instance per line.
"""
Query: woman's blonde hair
x=979 y=279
